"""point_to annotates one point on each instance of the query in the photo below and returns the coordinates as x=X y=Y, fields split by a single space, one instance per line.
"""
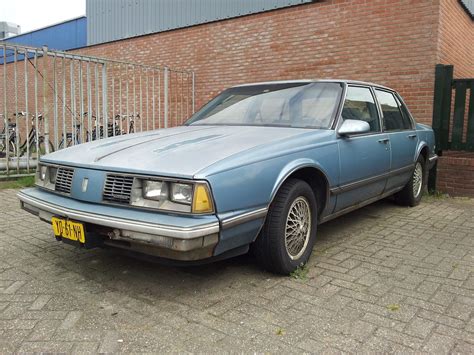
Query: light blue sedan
x=259 y=166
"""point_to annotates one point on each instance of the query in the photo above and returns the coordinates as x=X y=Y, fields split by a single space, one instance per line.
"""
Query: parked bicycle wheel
x=3 y=148
x=68 y=143
x=41 y=149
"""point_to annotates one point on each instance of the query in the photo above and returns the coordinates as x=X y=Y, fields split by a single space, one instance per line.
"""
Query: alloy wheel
x=298 y=227
x=417 y=179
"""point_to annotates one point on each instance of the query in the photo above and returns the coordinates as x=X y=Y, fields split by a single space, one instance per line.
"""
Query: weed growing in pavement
x=301 y=273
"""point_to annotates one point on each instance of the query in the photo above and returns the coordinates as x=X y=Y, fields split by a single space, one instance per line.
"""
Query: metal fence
x=51 y=100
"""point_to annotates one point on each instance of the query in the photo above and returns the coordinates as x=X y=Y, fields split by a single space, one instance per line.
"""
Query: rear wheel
x=413 y=190
x=11 y=149
x=288 y=236
x=37 y=151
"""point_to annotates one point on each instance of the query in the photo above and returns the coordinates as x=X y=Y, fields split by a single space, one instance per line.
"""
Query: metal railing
x=51 y=100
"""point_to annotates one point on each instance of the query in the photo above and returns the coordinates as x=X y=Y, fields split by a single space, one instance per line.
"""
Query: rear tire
x=11 y=149
x=413 y=190
x=289 y=233
x=34 y=153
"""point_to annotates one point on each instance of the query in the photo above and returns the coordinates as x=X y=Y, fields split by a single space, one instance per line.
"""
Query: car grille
x=118 y=188
x=64 y=180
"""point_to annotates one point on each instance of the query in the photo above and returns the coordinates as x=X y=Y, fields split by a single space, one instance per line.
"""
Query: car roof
x=307 y=81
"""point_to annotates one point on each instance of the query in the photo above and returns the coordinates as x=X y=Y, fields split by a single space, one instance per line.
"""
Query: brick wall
x=456 y=174
x=392 y=44
x=456 y=47
x=456 y=39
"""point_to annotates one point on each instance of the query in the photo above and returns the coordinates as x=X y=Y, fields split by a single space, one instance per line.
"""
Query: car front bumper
x=164 y=235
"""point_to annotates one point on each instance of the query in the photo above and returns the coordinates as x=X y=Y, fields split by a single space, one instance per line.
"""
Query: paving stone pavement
x=381 y=279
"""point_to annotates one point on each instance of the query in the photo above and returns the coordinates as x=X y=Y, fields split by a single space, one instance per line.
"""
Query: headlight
x=155 y=190
x=46 y=176
x=182 y=193
x=172 y=196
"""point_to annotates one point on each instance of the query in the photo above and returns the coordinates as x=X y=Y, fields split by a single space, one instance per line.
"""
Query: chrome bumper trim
x=123 y=224
x=244 y=217
x=433 y=158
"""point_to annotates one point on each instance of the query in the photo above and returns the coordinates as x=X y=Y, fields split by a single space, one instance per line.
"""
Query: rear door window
x=406 y=115
x=393 y=119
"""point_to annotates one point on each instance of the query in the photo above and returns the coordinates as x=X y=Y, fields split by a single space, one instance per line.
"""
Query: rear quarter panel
x=425 y=139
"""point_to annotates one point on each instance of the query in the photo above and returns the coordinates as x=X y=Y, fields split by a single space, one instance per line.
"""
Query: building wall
x=394 y=45
x=62 y=36
x=111 y=20
x=456 y=39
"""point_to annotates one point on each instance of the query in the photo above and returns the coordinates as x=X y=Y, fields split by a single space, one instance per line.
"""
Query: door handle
x=412 y=136
x=384 y=140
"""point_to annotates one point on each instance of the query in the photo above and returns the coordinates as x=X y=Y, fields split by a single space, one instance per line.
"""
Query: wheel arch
x=310 y=172
x=424 y=151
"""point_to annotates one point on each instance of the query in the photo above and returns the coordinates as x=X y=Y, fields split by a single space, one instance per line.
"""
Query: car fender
x=421 y=145
x=292 y=167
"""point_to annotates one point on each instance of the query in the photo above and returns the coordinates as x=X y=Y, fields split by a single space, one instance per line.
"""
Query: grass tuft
x=280 y=332
x=22 y=182
x=301 y=273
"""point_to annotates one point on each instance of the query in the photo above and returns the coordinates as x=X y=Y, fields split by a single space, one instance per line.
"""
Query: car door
x=364 y=158
x=399 y=127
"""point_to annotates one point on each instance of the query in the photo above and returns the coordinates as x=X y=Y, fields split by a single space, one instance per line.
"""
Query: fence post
x=470 y=120
x=45 y=101
x=441 y=114
x=194 y=91
x=437 y=102
x=5 y=110
x=104 y=101
x=165 y=88
x=446 y=107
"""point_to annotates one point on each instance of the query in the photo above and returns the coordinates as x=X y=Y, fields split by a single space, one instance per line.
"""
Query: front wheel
x=413 y=190
x=289 y=233
x=37 y=151
x=11 y=149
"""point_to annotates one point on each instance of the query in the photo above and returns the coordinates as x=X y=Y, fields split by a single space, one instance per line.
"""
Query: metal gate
x=51 y=100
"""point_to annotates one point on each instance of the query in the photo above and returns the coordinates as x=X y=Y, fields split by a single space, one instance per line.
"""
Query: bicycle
x=35 y=144
x=9 y=137
x=93 y=134
x=131 y=127
x=110 y=129
x=69 y=138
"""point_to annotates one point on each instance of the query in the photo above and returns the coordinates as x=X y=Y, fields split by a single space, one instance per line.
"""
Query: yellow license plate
x=68 y=229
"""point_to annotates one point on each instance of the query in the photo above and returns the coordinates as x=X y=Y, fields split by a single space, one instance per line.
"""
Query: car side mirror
x=350 y=127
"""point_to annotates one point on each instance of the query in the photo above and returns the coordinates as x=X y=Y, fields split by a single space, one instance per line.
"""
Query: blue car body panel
x=244 y=167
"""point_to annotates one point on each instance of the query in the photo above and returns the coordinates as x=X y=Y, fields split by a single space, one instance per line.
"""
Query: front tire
x=289 y=233
x=413 y=190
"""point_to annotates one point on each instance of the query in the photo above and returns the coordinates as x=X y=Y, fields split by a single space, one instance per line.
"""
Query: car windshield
x=299 y=105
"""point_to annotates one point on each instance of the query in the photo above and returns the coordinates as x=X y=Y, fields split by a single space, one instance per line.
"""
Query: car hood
x=180 y=152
